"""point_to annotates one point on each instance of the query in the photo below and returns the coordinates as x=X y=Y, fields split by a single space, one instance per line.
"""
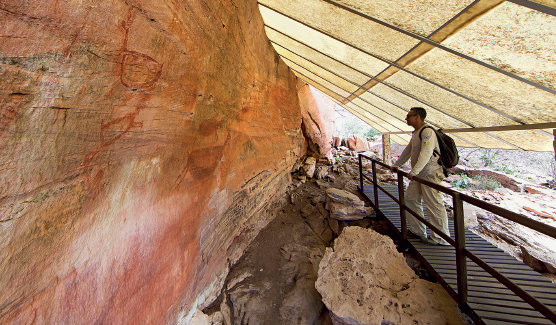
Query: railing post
x=361 y=173
x=401 y=195
x=375 y=185
x=461 y=260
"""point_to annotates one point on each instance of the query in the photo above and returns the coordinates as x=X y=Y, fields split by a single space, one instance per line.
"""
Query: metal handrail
x=459 y=242
x=510 y=215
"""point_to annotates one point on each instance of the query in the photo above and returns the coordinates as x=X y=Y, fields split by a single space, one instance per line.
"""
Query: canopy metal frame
x=346 y=100
x=424 y=45
x=392 y=103
x=470 y=129
x=420 y=38
x=313 y=82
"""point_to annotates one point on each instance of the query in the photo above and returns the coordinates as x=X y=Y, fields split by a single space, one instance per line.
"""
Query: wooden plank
x=504 y=295
x=478 y=272
x=495 y=285
x=498 y=322
x=490 y=287
x=509 y=273
x=499 y=302
x=509 y=314
x=498 y=319
x=499 y=265
x=490 y=260
x=484 y=277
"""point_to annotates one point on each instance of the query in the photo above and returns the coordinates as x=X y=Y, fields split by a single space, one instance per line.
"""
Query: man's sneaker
x=430 y=241
x=412 y=234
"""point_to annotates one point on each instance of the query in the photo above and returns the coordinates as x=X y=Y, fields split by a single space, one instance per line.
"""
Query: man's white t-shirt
x=423 y=162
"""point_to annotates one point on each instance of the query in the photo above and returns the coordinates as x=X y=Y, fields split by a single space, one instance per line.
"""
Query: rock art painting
x=142 y=147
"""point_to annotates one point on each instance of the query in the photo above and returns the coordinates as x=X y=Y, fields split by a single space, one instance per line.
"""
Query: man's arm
x=406 y=153
x=428 y=142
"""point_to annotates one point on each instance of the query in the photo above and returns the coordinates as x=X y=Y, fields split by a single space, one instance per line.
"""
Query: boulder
x=360 y=143
x=364 y=280
x=339 y=196
x=200 y=319
x=344 y=205
x=318 y=113
x=308 y=167
x=351 y=143
x=302 y=304
x=343 y=212
x=348 y=169
x=313 y=217
x=322 y=171
x=323 y=184
x=535 y=263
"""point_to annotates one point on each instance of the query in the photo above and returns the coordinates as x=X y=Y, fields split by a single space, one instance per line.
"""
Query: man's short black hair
x=420 y=111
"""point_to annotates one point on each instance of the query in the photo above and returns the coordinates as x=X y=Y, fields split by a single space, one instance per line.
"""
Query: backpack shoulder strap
x=425 y=127
x=435 y=153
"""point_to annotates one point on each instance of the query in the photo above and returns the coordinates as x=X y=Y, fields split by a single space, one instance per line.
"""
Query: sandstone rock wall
x=137 y=139
x=318 y=113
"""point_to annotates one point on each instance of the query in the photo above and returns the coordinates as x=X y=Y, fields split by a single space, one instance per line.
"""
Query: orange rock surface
x=318 y=113
x=141 y=144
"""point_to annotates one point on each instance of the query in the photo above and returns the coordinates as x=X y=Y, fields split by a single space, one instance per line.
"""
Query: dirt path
x=274 y=281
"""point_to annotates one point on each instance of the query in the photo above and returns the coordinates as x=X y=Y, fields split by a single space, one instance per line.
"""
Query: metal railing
x=459 y=243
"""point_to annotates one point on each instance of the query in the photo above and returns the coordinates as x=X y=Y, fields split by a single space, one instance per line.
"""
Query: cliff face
x=318 y=114
x=141 y=144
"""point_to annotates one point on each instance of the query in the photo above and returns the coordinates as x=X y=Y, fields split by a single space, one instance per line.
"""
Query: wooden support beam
x=386 y=149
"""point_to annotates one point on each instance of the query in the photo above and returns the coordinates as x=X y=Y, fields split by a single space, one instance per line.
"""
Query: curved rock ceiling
x=485 y=70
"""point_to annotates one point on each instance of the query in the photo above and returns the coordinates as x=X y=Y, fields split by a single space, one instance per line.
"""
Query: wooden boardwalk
x=489 y=299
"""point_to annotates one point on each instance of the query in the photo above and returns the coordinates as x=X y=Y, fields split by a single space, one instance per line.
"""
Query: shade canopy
x=484 y=70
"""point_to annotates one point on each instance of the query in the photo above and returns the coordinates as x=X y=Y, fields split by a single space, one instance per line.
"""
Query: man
x=424 y=165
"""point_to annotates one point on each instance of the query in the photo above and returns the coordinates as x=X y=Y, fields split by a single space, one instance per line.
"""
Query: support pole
x=386 y=149
x=554 y=143
x=461 y=261
x=375 y=183
x=361 y=173
x=402 y=207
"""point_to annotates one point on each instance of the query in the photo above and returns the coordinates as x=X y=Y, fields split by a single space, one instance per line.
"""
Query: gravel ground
x=528 y=165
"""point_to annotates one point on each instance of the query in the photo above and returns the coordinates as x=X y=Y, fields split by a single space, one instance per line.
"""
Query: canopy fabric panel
x=471 y=64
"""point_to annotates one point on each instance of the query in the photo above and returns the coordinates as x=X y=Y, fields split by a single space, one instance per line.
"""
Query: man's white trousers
x=416 y=194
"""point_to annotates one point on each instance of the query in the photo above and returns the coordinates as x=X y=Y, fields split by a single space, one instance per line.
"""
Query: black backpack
x=448 y=151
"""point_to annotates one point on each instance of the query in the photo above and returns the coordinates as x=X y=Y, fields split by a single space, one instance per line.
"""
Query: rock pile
x=344 y=205
x=308 y=168
x=364 y=280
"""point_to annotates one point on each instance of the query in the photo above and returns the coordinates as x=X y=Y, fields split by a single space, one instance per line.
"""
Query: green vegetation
x=486 y=183
x=487 y=157
x=505 y=168
x=339 y=160
x=371 y=133
x=476 y=182
x=349 y=125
